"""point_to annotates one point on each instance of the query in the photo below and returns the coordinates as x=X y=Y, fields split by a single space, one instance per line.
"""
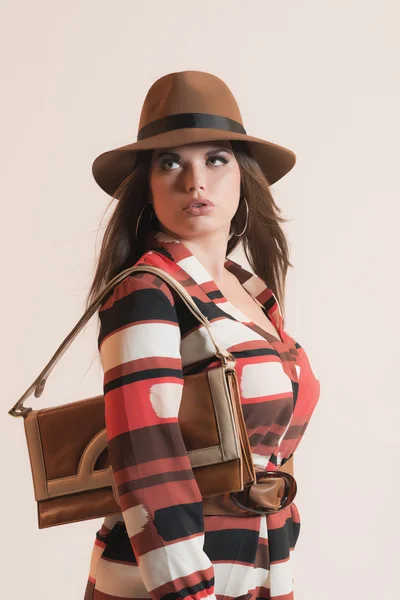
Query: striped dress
x=160 y=545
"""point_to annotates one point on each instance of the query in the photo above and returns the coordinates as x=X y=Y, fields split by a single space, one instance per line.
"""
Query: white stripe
x=195 y=269
x=234 y=580
x=229 y=308
x=166 y=399
x=263 y=527
x=179 y=559
x=197 y=345
x=141 y=340
x=136 y=518
x=260 y=461
x=281 y=580
x=265 y=379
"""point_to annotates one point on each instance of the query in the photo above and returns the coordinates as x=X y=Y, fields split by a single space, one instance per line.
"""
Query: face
x=189 y=172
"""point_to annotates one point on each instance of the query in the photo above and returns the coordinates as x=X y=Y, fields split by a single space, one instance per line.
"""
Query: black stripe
x=189 y=591
x=119 y=546
x=281 y=540
x=143 y=304
x=147 y=374
x=192 y=121
x=215 y=295
x=235 y=544
x=179 y=521
x=242 y=354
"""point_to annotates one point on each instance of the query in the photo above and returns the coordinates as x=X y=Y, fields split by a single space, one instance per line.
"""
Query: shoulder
x=144 y=284
x=141 y=299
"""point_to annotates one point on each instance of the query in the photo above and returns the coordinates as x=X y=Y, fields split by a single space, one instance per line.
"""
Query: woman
x=191 y=187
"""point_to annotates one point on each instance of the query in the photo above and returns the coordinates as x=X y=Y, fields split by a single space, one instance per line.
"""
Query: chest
x=236 y=294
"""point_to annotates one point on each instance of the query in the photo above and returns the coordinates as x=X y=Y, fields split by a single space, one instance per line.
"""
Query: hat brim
x=113 y=166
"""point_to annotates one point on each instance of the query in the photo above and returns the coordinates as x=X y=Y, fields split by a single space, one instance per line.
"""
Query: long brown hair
x=264 y=242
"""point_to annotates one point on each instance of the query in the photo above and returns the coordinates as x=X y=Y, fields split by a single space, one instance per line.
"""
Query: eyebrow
x=176 y=156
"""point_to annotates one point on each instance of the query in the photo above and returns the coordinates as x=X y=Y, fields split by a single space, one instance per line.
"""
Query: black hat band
x=190 y=120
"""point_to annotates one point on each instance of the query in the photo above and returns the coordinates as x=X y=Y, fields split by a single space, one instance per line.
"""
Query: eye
x=219 y=157
x=171 y=160
x=165 y=162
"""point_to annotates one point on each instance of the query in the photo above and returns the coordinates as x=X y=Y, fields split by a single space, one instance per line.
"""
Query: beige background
x=321 y=78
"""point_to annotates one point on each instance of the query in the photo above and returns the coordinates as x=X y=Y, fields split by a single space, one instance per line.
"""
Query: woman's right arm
x=161 y=504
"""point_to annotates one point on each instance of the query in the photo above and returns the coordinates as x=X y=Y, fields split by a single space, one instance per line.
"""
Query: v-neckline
x=247 y=323
x=194 y=272
x=278 y=339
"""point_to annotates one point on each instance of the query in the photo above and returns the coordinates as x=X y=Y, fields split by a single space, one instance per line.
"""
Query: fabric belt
x=223 y=504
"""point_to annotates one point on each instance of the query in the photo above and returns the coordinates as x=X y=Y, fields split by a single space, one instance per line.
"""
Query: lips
x=201 y=201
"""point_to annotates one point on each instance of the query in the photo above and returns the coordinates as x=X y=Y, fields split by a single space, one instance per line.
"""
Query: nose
x=194 y=178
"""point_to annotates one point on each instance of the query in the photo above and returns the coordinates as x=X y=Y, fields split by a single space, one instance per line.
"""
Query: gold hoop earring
x=247 y=219
x=140 y=216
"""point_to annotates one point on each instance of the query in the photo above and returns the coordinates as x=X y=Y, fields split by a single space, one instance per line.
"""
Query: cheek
x=161 y=193
x=231 y=178
x=159 y=190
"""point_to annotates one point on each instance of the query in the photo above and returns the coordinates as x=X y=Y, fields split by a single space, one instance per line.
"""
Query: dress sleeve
x=161 y=504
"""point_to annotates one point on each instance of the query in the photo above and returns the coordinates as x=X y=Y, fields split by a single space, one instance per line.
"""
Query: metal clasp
x=20 y=412
x=228 y=360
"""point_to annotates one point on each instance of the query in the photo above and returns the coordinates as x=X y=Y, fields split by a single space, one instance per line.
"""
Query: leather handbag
x=68 y=448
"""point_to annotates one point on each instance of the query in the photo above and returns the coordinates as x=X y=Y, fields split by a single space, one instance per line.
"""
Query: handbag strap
x=227 y=359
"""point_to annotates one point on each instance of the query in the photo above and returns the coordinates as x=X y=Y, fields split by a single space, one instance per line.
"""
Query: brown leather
x=268 y=494
x=68 y=449
x=92 y=504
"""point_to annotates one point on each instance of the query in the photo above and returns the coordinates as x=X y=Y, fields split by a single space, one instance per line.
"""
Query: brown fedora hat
x=182 y=108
